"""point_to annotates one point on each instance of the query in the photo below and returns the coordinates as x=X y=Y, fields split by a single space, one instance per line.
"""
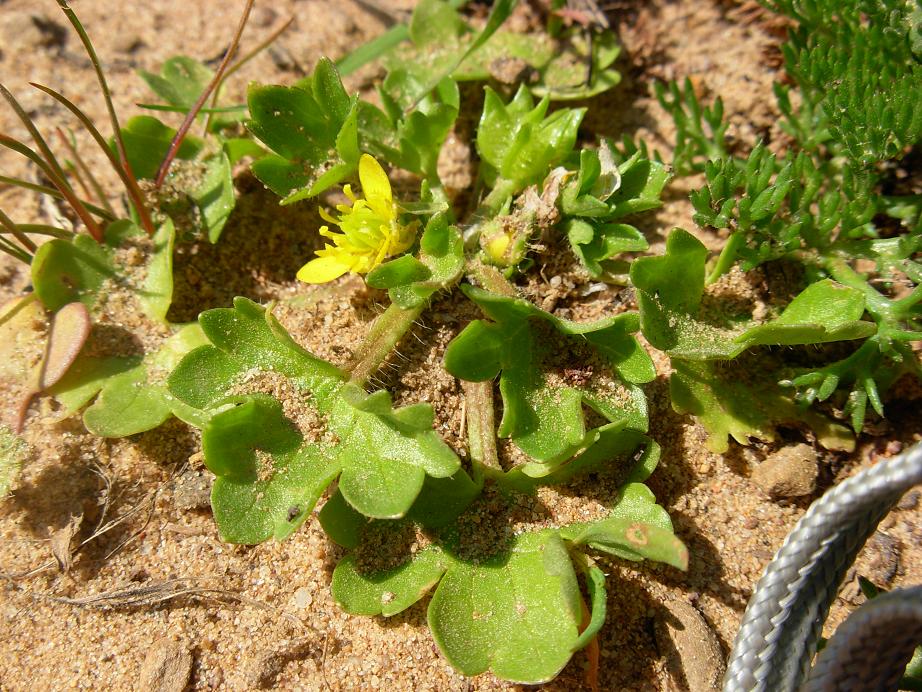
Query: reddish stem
x=124 y=172
x=592 y=650
x=193 y=112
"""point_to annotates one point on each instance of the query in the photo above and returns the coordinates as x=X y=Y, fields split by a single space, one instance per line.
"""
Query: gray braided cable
x=885 y=630
x=784 y=618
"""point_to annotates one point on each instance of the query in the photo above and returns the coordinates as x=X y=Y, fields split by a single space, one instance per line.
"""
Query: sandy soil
x=262 y=616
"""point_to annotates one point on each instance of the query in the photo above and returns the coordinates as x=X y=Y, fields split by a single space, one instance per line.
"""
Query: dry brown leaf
x=61 y=541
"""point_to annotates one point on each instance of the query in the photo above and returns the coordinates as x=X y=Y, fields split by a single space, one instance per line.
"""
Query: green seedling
x=566 y=66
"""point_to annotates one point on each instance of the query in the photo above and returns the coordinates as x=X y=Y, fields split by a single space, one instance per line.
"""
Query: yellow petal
x=323 y=269
x=375 y=185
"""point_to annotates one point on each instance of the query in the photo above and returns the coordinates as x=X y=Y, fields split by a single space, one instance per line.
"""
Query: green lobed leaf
x=215 y=195
x=434 y=23
x=340 y=522
x=412 y=282
x=401 y=271
x=417 y=117
x=386 y=453
x=180 y=82
x=132 y=398
x=519 y=143
x=85 y=378
x=381 y=455
x=312 y=130
x=442 y=500
x=244 y=338
x=743 y=405
x=637 y=529
x=147 y=141
x=391 y=591
x=558 y=80
x=598 y=604
x=669 y=292
x=517 y=614
x=608 y=192
x=543 y=400
x=268 y=476
x=156 y=295
x=557 y=67
x=65 y=271
x=594 y=244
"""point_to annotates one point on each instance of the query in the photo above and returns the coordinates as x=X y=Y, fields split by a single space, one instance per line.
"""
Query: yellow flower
x=370 y=233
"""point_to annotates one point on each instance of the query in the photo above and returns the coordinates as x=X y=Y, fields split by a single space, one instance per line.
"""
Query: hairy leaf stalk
x=387 y=330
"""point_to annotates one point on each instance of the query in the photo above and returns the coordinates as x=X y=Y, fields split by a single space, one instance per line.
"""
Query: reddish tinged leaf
x=70 y=328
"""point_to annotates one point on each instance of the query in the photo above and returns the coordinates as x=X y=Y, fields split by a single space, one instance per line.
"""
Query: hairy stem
x=481 y=429
x=491 y=278
x=386 y=331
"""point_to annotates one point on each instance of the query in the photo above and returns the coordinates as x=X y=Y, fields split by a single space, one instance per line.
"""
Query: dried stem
x=45 y=190
x=104 y=86
x=15 y=251
x=491 y=279
x=45 y=229
x=40 y=142
x=7 y=223
x=73 y=173
x=193 y=112
x=86 y=171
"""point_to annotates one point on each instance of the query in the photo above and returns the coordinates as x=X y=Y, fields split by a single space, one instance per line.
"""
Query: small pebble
x=910 y=500
x=789 y=472
x=303 y=598
x=166 y=667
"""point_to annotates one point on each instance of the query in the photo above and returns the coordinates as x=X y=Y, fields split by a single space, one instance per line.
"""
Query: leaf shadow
x=260 y=250
x=674 y=478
